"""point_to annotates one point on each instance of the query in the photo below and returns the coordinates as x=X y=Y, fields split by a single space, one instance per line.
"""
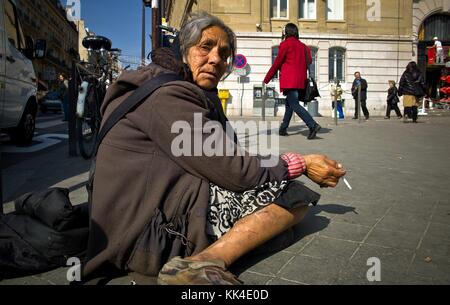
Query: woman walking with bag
x=292 y=60
x=411 y=88
x=392 y=101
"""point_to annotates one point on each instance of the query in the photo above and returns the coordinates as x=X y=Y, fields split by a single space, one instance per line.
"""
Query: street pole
x=1 y=185
x=263 y=109
x=359 y=103
x=335 y=107
x=72 y=109
x=143 y=36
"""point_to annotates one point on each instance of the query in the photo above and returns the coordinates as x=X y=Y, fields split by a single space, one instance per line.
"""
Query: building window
x=274 y=56
x=336 y=64
x=10 y=24
x=307 y=9
x=313 y=66
x=335 y=9
x=279 y=8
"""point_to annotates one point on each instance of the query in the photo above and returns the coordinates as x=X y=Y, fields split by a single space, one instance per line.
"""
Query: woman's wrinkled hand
x=323 y=171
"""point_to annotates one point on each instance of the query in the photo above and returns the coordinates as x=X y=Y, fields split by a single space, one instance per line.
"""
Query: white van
x=18 y=83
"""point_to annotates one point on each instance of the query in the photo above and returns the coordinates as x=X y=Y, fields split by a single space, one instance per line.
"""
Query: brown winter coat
x=140 y=186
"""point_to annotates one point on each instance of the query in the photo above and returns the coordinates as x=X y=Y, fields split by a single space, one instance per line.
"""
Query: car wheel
x=23 y=134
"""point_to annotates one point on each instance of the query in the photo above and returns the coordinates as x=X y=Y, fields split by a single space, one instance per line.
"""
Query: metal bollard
x=1 y=189
x=73 y=93
x=263 y=106
x=335 y=111
x=359 y=103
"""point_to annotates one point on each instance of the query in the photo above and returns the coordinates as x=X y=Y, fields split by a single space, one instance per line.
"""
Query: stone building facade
x=376 y=37
x=47 y=19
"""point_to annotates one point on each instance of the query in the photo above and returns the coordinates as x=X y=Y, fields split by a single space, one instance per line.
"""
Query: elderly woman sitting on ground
x=187 y=218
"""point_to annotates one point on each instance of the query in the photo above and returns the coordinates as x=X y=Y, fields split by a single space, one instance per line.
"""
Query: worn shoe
x=179 y=271
x=314 y=131
x=387 y=118
x=283 y=133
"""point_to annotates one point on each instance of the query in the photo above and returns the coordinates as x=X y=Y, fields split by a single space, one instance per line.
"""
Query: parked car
x=42 y=91
x=51 y=102
x=18 y=83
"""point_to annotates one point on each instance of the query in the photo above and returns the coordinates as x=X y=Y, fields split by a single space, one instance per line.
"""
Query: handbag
x=311 y=90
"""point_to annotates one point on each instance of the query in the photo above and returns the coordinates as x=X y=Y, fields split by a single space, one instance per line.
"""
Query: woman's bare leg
x=251 y=232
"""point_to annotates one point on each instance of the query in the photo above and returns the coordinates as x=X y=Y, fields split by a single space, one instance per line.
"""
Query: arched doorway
x=437 y=25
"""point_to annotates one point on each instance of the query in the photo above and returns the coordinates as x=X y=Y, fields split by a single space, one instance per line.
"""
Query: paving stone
x=394 y=265
x=345 y=231
x=438 y=268
x=403 y=221
x=331 y=249
x=418 y=208
x=393 y=239
x=273 y=265
x=358 y=218
x=312 y=270
x=435 y=246
x=57 y=276
x=439 y=230
x=442 y=215
x=279 y=281
x=250 y=278
x=29 y=280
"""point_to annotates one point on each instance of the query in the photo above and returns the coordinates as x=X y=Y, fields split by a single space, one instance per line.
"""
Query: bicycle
x=94 y=76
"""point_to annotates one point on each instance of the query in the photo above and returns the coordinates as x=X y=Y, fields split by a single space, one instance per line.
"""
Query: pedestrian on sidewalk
x=412 y=88
x=336 y=97
x=392 y=101
x=292 y=61
x=359 y=81
x=440 y=59
x=63 y=90
x=182 y=217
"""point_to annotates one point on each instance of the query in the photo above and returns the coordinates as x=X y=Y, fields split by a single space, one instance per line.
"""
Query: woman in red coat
x=292 y=60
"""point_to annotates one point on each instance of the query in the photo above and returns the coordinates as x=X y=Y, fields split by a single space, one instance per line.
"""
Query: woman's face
x=208 y=58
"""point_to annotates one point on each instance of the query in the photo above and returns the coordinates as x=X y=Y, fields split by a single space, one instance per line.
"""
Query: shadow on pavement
x=43 y=171
x=311 y=224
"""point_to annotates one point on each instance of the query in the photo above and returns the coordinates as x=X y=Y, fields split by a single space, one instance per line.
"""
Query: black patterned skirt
x=227 y=207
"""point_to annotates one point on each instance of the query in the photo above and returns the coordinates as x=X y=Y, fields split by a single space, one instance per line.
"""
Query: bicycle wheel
x=88 y=125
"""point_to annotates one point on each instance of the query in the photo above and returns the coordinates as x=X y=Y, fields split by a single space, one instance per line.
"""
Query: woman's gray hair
x=191 y=33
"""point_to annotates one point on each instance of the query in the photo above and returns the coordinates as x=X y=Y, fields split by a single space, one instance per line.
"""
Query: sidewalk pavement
x=397 y=212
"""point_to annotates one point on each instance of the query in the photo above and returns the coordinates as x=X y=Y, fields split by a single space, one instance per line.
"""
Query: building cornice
x=327 y=36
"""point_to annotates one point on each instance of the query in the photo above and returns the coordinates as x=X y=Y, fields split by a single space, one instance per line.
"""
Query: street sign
x=242 y=71
x=240 y=61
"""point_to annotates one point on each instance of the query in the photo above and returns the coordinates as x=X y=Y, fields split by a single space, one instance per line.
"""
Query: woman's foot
x=314 y=131
x=181 y=271
x=387 y=118
x=400 y=117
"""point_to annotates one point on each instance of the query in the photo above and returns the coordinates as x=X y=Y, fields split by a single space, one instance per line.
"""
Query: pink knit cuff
x=296 y=164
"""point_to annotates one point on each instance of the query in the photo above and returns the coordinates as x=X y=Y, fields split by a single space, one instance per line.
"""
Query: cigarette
x=348 y=184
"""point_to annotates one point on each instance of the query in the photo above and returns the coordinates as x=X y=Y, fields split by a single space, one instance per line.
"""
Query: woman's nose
x=214 y=56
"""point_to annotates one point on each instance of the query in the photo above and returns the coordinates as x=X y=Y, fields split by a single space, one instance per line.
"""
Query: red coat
x=292 y=63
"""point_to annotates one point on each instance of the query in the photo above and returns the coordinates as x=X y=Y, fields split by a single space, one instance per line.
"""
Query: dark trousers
x=293 y=105
x=340 y=111
x=364 y=108
x=392 y=106
x=412 y=112
x=65 y=107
